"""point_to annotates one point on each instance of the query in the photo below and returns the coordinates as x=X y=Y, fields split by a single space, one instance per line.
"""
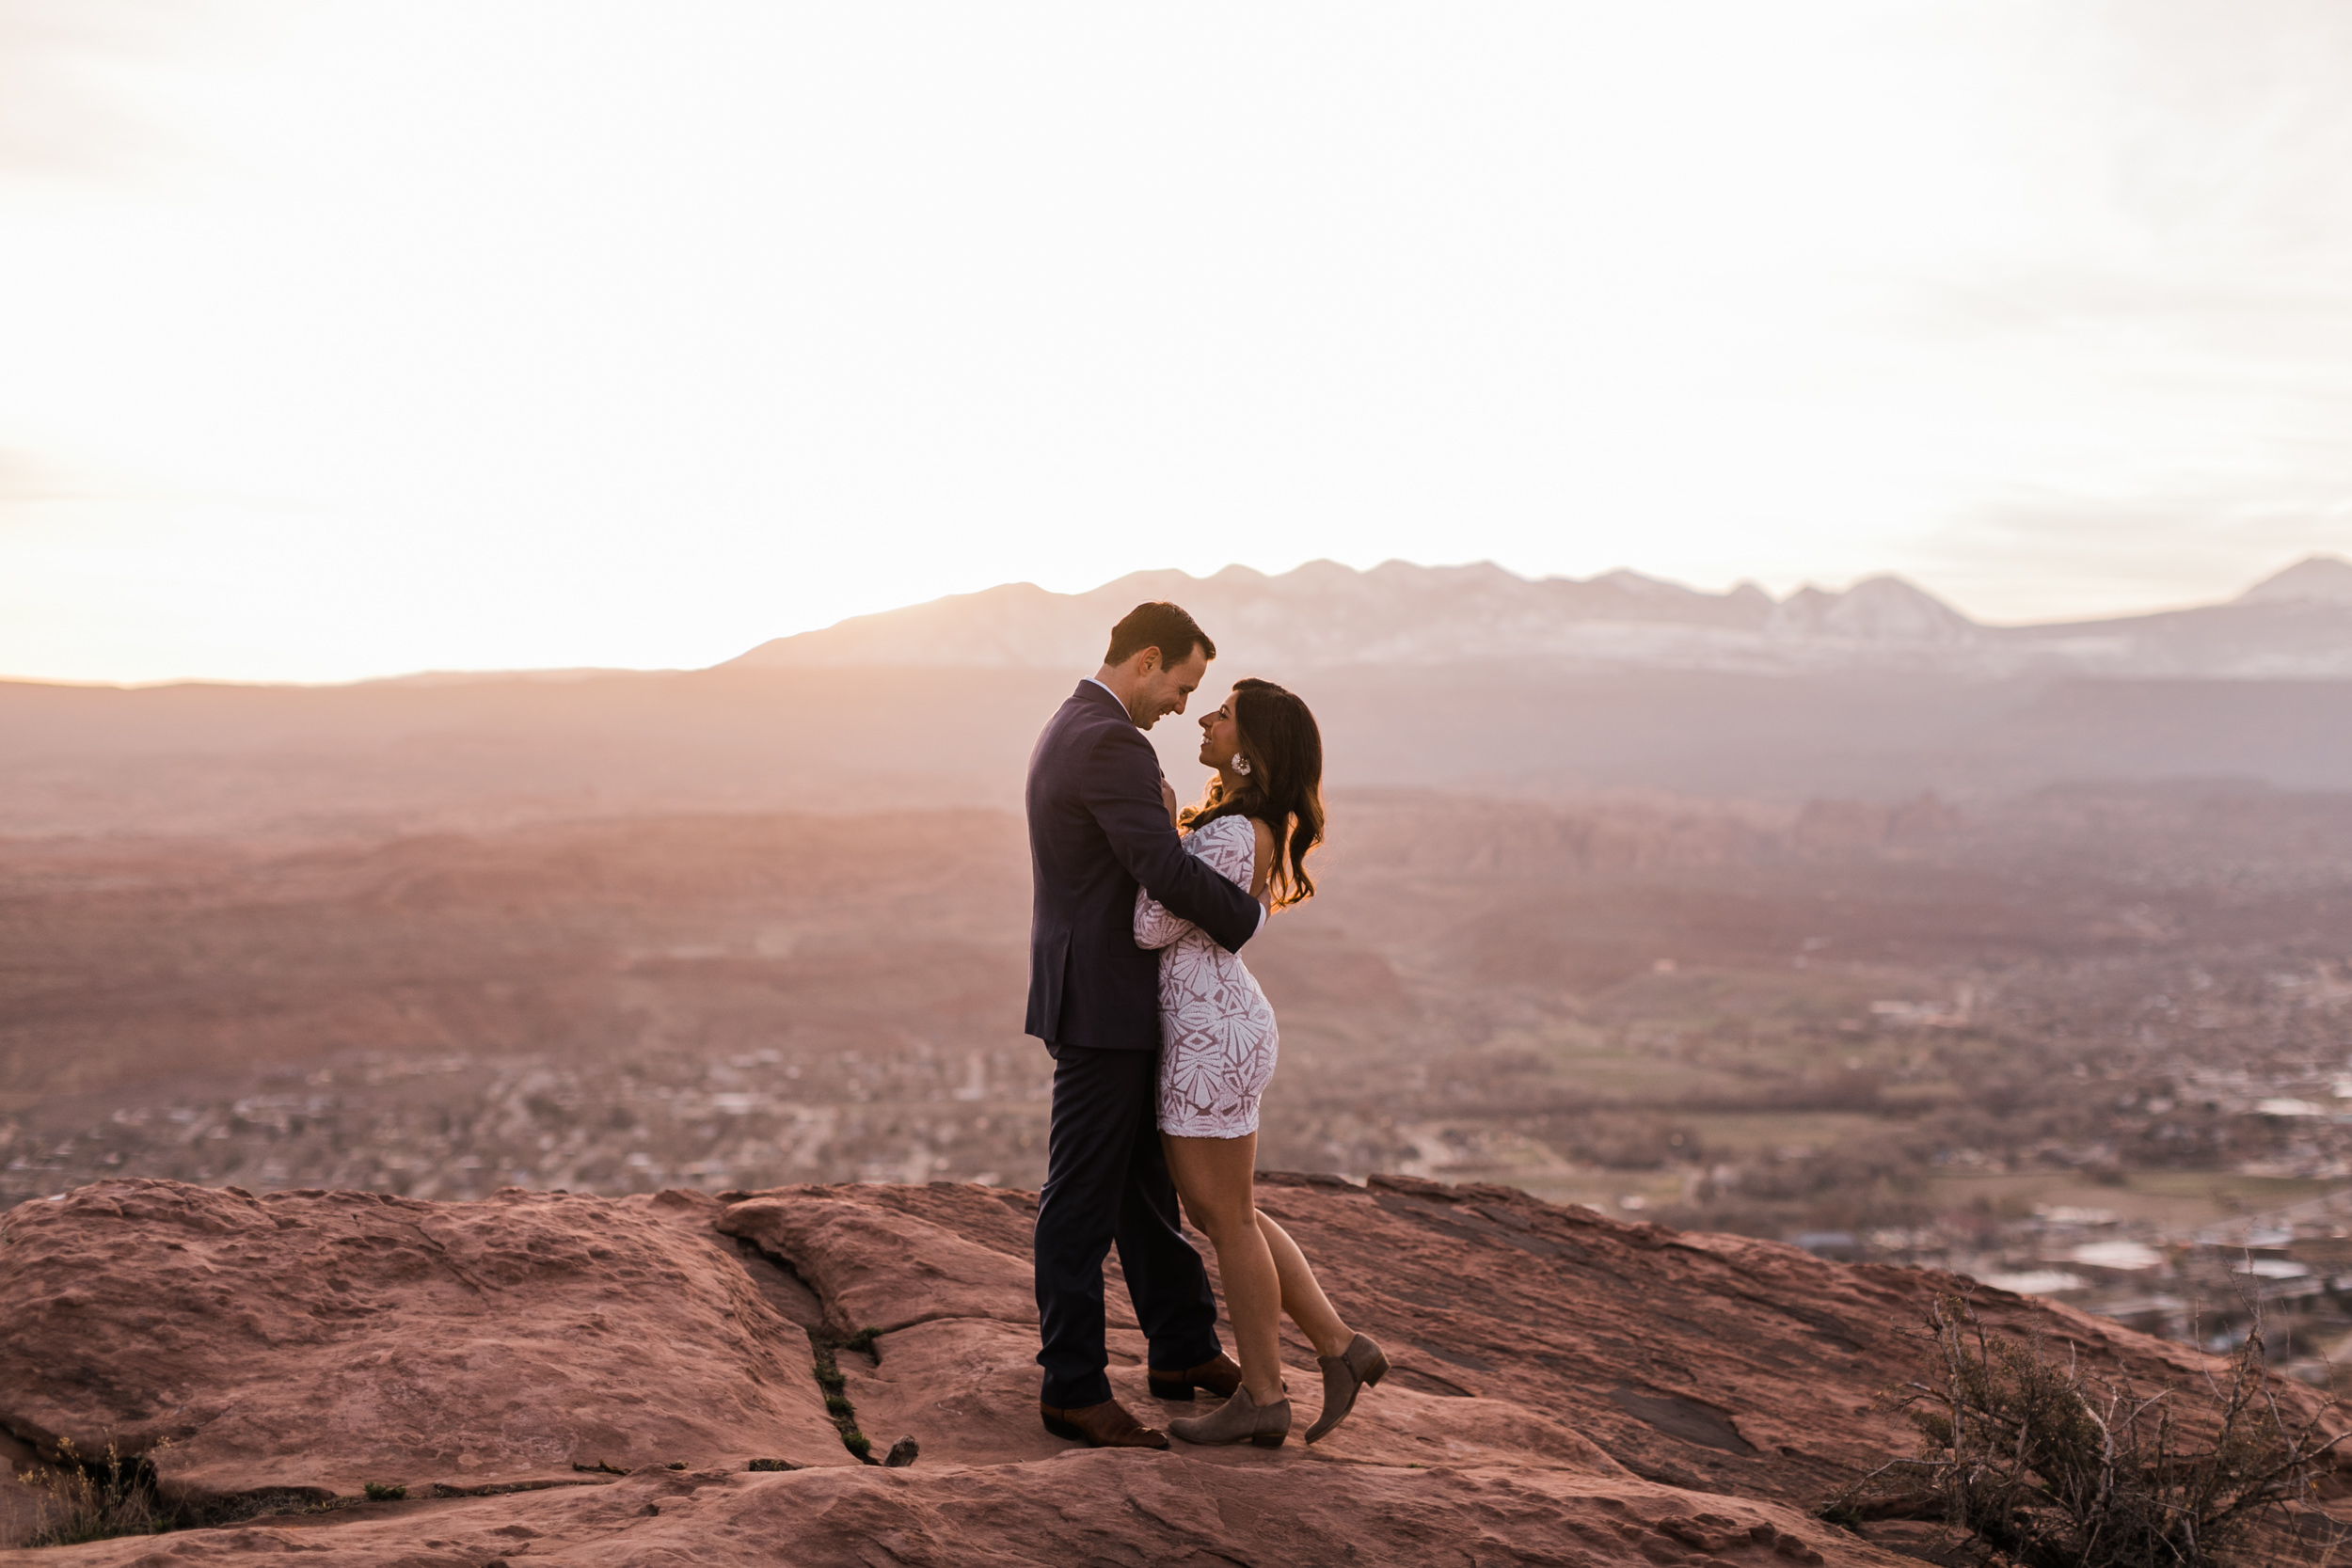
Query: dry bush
x=2045 y=1465
x=94 y=1500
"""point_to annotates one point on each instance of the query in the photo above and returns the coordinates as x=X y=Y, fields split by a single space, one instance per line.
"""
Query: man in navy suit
x=1099 y=827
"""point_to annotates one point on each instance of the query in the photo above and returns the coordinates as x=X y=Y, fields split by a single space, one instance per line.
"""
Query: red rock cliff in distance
x=1569 y=1388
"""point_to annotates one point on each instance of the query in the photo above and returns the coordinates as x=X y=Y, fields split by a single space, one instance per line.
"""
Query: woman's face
x=1220 y=737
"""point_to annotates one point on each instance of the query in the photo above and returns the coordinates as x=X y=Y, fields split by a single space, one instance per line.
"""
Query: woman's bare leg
x=1302 y=1298
x=1214 y=1178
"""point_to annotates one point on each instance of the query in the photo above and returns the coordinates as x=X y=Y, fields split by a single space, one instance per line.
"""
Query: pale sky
x=346 y=339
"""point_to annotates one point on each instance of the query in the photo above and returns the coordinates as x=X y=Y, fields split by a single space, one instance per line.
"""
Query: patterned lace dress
x=1217 y=1032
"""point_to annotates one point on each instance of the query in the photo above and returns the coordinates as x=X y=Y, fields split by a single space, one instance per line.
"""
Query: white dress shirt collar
x=1115 y=697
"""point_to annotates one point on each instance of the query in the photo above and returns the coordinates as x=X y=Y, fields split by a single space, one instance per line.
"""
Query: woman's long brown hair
x=1282 y=789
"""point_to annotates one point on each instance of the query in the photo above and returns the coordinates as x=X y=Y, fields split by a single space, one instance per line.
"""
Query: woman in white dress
x=1259 y=817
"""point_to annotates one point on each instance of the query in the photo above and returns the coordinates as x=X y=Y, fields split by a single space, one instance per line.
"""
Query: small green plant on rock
x=94 y=1500
x=2049 y=1466
x=379 y=1492
x=822 y=1349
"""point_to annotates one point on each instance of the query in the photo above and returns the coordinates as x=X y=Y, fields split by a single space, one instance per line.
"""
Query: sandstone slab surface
x=882 y=1258
x=320 y=1340
x=1085 y=1508
x=1569 y=1387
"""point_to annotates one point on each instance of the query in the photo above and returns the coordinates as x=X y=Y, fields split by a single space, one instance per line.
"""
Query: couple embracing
x=1162 y=1043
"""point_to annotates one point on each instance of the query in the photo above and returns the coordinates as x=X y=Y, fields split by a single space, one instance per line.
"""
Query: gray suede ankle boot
x=1239 y=1420
x=1346 y=1375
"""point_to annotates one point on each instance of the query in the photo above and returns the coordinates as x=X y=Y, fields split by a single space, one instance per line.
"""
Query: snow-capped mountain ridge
x=2297 y=624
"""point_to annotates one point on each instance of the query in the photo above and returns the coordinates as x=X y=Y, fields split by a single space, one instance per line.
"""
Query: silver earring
x=1241 y=764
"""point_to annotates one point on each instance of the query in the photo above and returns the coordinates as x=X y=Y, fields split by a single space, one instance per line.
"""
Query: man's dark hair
x=1162 y=625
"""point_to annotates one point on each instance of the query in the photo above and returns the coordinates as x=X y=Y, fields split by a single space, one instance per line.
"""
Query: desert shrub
x=2050 y=1467
x=94 y=1500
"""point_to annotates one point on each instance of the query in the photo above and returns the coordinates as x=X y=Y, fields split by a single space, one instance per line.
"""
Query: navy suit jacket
x=1097 y=830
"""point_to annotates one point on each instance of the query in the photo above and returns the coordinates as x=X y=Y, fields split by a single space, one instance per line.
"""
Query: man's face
x=1164 y=687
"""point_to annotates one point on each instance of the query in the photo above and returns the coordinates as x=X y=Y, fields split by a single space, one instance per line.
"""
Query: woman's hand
x=1168 y=798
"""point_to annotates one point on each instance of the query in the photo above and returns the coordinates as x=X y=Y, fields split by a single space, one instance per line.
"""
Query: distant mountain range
x=1322 y=615
x=1459 y=680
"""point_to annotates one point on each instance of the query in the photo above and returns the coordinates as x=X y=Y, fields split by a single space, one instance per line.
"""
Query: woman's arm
x=1154 y=926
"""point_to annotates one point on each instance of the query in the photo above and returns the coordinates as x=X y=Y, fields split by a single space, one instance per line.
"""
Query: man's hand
x=1168 y=798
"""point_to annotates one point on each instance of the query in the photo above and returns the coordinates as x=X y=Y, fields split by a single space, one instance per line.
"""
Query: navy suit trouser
x=1107 y=1182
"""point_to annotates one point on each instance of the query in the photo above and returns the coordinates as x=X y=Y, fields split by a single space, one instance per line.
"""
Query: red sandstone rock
x=1569 y=1387
x=1085 y=1508
x=323 y=1339
x=879 y=1257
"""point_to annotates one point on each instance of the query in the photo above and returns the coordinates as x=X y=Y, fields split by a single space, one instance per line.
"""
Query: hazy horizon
x=456 y=672
x=344 y=342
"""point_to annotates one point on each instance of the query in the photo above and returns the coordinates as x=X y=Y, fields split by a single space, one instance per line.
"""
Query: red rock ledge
x=1569 y=1387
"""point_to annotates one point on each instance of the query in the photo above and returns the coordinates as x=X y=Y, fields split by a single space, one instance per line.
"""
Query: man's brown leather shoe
x=1102 y=1426
x=1220 y=1377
